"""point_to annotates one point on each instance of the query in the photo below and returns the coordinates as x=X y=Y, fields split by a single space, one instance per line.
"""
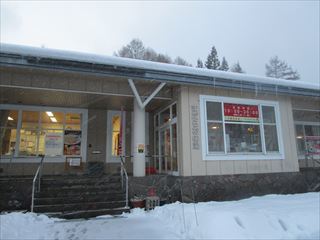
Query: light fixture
x=299 y=137
x=10 y=118
x=214 y=127
x=53 y=119
x=50 y=114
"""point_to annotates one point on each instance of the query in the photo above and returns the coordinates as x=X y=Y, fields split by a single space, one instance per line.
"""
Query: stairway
x=83 y=196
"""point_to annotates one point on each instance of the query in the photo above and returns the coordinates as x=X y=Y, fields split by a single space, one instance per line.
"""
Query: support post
x=139 y=129
x=138 y=139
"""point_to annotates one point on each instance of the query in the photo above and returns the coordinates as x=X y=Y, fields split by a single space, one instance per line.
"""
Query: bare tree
x=280 y=69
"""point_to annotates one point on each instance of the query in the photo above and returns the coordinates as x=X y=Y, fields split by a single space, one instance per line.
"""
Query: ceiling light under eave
x=50 y=114
x=53 y=119
x=10 y=118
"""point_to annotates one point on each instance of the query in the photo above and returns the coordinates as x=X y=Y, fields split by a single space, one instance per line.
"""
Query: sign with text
x=241 y=112
x=53 y=144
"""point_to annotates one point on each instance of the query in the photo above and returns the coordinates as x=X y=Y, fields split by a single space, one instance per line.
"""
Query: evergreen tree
x=280 y=69
x=199 y=63
x=224 y=65
x=236 y=68
x=212 y=59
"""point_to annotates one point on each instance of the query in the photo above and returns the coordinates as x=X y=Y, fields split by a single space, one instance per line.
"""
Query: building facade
x=82 y=111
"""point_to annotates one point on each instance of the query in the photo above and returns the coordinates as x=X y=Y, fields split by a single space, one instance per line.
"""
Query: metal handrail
x=124 y=171
x=36 y=176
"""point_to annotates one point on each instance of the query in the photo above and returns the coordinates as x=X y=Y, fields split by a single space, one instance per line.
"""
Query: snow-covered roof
x=148 y=65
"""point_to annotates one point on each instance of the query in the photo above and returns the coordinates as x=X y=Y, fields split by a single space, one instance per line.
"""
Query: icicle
x=256 y=90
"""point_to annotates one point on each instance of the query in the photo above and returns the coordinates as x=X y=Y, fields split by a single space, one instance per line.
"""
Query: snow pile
x=268 y=217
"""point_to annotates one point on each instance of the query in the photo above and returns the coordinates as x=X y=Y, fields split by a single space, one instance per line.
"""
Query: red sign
x=240 y=112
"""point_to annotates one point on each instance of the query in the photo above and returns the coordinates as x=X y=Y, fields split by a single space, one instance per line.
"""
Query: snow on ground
x=269 y=217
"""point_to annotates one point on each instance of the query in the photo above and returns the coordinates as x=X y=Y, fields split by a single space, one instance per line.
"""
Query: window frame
x=263 y=155
x=32 y=159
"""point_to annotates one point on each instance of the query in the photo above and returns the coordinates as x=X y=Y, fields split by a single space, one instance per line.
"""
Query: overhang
x=42 y=58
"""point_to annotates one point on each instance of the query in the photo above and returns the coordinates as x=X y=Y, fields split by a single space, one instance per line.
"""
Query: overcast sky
x=249 y=32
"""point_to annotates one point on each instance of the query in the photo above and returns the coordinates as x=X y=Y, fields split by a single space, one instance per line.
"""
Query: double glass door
x=167 y=155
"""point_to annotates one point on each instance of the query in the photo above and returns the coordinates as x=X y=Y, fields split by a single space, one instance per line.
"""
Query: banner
x=53 y=144
x=72 y=142
x=240 y=112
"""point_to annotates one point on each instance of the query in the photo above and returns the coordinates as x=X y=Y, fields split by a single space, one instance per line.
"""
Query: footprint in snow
x=239 y=222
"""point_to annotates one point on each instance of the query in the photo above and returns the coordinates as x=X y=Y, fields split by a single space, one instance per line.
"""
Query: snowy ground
x=268 y=217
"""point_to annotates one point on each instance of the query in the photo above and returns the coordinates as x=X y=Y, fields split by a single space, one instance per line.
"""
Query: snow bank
x=268 y=217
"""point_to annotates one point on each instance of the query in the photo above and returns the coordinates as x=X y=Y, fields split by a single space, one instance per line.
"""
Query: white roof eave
x=148 y=65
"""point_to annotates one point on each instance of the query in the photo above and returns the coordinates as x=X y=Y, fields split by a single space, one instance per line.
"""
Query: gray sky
x=249 y=32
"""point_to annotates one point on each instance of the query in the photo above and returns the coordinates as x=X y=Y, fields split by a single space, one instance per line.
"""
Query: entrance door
x=168 y=149
x=115 y=138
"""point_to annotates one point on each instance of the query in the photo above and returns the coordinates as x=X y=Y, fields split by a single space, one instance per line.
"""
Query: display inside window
x=308 y=139
x=51 y=133
x=28 y=142
x=72 y=142
x=233 y=128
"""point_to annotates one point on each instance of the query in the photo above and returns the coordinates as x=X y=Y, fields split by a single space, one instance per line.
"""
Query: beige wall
x=191 y=163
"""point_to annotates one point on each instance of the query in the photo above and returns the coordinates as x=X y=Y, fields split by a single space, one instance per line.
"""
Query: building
x=83 y=111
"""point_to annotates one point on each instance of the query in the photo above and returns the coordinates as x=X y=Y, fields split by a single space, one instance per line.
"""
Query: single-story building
x=83 y=111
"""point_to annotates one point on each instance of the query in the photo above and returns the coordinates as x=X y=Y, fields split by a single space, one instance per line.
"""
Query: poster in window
x=241 y=113
x=72 y=142
x=53 y=144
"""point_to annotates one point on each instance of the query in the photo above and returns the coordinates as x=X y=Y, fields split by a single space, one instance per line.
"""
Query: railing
x=36 y=187
x=123 y=173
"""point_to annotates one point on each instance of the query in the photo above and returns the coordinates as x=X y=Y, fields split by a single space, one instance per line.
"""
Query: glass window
x=8 y=118
x=268 y=114
x=271 y=138
x=43 y=137
x=52 y=120
x=165 y=116
x=214 y=111
x=300 y=140
x=7 y=141
x=28 y=142
x=116 y=122
x=8 y=131
x=243 y=138
x=30 y=120
x=174 y=148
x=215 y=137
x=237 y=128
x=73 y=121
x=306 y=116
x=174 y=110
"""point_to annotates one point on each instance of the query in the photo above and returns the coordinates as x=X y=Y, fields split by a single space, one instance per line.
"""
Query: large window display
x=239 y=129
x=307 y=126
x=33 y=131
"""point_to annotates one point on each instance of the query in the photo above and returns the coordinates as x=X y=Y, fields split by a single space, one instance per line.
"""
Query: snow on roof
x=147 y=65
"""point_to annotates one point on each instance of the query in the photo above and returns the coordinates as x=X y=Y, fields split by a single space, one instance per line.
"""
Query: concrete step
x=79 y=180
x=108 y=187
x=80 y=206
x=88 y=213
x=104 y=197
x=76 y=193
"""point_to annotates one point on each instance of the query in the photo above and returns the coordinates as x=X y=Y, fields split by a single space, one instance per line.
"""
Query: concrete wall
x=191 y=161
